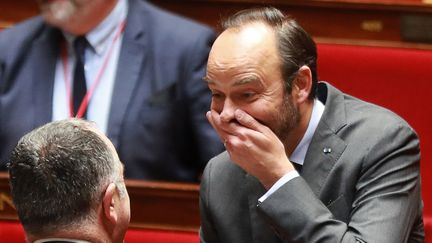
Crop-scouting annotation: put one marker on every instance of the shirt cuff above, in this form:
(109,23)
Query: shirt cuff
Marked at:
(284,179)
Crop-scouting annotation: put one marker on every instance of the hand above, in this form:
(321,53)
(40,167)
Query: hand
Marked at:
(252,146)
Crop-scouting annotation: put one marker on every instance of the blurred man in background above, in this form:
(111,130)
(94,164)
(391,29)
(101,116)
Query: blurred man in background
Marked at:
(131,67)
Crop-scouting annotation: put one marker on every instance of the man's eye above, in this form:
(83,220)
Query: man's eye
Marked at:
(216,95)
(247,95)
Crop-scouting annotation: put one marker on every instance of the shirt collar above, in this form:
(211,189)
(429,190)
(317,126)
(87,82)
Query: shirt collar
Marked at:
(299,154)
(99,37)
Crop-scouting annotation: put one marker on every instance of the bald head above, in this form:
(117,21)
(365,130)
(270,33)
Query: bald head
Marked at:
(268,30)
(251,46)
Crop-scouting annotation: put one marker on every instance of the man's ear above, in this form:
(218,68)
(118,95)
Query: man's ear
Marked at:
(109,203)
(302,85)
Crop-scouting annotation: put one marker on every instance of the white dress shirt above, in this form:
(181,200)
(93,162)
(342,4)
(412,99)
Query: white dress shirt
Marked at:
(299,153)
(100,39)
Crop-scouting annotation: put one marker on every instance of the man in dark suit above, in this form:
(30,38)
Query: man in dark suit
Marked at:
(142,69)
(304,162)
(67,184)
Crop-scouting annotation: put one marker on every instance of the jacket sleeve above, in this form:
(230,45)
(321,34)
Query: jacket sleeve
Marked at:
(385,206)
(207,231)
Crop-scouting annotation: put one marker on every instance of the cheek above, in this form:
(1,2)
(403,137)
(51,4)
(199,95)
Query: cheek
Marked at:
(263,112)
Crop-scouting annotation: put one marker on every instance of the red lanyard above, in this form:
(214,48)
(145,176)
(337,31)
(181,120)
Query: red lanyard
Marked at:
(84,103)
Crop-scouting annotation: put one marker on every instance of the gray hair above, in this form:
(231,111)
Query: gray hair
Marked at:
(59,173)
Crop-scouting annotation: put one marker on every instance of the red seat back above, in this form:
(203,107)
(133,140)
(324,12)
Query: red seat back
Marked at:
(160,236)
(11,231)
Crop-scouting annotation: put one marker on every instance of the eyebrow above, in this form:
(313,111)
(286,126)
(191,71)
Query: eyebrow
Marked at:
(245,80)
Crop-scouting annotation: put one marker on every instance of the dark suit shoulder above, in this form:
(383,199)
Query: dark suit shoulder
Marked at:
(370,131)
(171,37)
(23,30)
(171,25)
(14,39)
(376,119)
(179,21)
(348,112)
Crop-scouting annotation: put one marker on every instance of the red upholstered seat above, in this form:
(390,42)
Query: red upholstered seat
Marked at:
(396,78)
(160,236)
(12,232)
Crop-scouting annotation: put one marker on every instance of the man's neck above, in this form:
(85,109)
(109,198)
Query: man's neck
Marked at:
(89,233)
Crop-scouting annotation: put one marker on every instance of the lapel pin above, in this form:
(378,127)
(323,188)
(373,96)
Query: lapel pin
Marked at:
(327,150)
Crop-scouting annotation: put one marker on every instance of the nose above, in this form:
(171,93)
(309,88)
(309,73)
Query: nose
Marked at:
(228,109)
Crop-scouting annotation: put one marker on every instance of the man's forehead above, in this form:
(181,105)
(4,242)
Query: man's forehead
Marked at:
(253,45)
(251,34)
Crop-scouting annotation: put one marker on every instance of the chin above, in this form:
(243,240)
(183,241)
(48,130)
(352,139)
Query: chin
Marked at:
(58,13)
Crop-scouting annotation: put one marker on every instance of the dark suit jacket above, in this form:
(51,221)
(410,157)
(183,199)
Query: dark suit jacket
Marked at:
(157,120)
(366,190)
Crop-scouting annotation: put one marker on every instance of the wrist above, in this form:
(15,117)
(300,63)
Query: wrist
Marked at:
(271,178)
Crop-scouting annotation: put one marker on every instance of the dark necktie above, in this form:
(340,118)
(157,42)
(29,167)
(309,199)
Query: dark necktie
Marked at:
(79,81)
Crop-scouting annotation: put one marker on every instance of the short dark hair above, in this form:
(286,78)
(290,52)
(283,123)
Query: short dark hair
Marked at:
(296,46)
(58,174)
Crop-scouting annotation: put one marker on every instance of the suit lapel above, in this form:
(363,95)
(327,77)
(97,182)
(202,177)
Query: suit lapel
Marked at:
(132,54)
(326,147)
(45,51)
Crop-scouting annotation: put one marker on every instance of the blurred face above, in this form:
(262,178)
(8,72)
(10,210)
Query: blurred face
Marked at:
(244,72)
(60,12)
(75,16)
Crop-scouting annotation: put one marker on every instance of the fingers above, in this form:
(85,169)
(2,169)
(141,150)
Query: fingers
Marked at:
(213,122)
(243,127)
(242,120)
(210,119)
(248,121)
(221,128)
